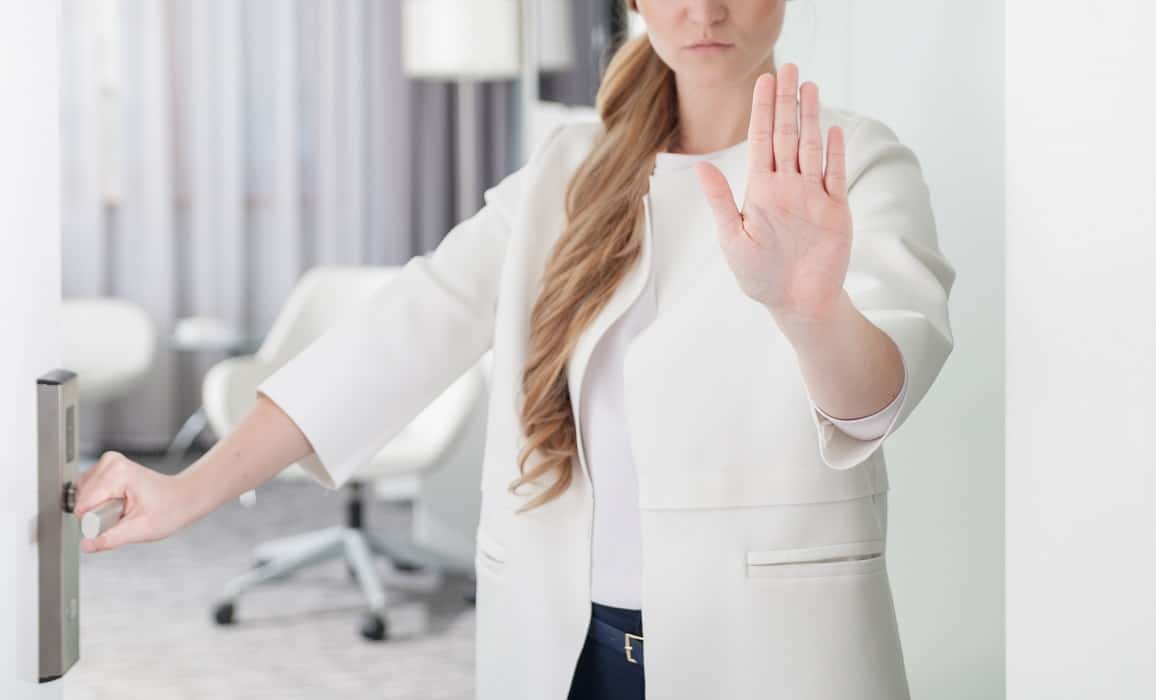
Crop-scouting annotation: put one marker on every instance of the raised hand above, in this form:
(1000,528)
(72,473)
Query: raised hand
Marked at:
(790,246)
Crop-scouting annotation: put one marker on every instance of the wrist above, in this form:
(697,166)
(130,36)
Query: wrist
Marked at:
(828,327)
(195,499)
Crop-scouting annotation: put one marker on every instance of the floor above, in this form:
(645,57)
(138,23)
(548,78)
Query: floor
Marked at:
(148,630)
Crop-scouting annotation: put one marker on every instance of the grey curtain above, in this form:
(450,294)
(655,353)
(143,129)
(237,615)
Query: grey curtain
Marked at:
(215,150)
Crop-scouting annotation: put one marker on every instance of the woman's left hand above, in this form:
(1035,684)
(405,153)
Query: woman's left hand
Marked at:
(790,245)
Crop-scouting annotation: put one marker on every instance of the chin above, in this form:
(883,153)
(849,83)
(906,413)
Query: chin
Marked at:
(707,73)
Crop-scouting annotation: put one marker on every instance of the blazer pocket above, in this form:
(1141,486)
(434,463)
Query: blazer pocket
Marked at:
(490,556)
(841,559)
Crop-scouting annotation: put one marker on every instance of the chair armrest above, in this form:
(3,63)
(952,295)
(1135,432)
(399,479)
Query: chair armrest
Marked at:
(230,390)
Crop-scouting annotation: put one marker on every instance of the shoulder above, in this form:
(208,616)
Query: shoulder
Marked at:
(568,140)
(875,154)
(559,150)
(858,127)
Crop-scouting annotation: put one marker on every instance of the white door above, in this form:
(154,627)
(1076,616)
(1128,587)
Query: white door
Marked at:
(29,313)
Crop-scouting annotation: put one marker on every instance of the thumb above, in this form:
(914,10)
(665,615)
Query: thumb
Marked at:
(718,193)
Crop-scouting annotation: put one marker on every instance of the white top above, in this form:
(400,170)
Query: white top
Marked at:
(617,538)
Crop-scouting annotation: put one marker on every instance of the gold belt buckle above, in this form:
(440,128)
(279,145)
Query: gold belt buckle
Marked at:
(629,649)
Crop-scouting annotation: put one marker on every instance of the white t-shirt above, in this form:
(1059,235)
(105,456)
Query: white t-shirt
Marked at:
(617,538)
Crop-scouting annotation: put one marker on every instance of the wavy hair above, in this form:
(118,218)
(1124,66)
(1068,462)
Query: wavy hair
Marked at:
(601,240)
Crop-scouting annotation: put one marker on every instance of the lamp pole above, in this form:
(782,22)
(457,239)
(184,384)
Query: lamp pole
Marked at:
(528,84)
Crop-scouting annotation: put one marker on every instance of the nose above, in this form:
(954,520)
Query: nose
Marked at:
(706,12)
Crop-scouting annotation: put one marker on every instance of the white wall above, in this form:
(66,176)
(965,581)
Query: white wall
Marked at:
(29,301)
(1081,350)
(933,71)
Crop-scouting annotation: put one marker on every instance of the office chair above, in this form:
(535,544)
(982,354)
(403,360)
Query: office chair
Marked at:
(110,344)
(229,391)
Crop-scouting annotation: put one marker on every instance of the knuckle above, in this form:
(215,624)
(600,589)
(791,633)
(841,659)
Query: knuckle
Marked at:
(120,466)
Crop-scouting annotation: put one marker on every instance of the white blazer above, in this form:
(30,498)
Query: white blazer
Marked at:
(763,525)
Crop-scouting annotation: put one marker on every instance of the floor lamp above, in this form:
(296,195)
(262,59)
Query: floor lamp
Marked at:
(476,40)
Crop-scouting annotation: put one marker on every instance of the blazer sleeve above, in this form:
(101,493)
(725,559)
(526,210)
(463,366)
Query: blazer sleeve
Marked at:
(385,359)
(897,276)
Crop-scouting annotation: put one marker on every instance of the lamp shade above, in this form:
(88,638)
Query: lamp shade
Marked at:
(456,39)
(479,39)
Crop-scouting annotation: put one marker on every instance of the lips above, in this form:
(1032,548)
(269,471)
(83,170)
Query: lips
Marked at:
(708,44)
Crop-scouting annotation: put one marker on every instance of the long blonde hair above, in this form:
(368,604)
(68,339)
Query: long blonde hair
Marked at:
(601,240)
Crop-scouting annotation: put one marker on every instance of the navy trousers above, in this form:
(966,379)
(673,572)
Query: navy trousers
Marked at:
(604,673)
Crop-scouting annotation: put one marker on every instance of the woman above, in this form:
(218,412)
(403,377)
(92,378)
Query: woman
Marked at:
(687,382)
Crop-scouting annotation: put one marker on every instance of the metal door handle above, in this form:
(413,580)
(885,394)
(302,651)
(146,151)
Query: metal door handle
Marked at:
(102,518)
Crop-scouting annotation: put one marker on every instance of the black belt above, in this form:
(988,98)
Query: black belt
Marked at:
(610,636)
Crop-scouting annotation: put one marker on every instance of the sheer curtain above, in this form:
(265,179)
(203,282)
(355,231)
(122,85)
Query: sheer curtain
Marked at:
(214,150)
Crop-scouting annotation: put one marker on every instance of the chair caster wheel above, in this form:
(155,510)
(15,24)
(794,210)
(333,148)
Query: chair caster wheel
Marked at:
(374,628)
(406,565)
(225,613)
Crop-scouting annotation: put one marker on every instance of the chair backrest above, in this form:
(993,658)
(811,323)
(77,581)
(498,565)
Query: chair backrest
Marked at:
(319,298)
(110,344)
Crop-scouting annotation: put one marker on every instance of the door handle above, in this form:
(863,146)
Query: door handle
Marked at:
(102,518)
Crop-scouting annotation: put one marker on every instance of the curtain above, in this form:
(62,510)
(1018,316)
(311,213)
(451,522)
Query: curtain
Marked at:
(215,150)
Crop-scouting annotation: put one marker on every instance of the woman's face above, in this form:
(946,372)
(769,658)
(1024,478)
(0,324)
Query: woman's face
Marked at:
(746,29)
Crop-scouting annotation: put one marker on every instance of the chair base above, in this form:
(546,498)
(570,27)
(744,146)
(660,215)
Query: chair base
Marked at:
(277,559)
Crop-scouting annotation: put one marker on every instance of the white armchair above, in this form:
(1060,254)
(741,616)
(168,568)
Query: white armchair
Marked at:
(229,391)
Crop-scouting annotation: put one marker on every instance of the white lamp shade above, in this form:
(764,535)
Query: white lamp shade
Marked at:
(479,39)
(456,40)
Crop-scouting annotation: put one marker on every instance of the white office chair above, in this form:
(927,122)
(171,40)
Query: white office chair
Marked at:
(109,343)
(229,391)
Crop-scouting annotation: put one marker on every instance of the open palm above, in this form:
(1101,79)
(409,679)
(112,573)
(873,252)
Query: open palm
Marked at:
(790,246)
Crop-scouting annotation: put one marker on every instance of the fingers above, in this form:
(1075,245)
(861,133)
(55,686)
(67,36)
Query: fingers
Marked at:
(83,478)
(810,139)
(786,136)
(759,132)
(102,463)
(836,180)
(126,531)
(102,482)
(718,193)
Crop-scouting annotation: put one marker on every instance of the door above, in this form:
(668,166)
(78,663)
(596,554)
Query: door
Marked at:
(29,314)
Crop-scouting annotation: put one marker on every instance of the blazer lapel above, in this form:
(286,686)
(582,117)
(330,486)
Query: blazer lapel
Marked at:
(621,298)
(687,254)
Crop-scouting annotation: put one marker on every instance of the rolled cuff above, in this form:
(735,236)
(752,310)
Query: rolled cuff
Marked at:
(923,350)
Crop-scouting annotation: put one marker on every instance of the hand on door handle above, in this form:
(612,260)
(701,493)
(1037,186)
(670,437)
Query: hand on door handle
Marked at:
(97,520)
(119,501)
